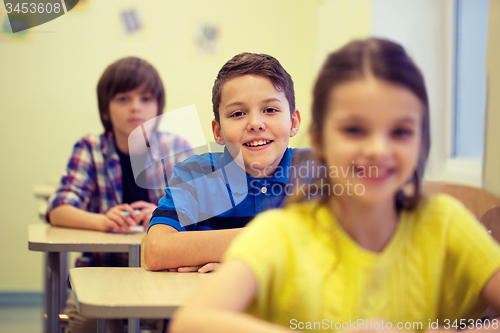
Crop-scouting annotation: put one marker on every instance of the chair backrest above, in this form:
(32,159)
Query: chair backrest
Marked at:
(491,220)
(477,200)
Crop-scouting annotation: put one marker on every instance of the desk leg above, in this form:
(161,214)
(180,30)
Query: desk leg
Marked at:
(134,255)
(134,325)
(63,285)
(46,295)
(52,292)
(101,325)
(109,325)
(134,260)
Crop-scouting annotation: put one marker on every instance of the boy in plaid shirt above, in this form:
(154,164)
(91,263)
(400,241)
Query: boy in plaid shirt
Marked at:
(99,185)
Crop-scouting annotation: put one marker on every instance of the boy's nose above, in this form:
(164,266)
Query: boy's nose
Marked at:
(256,124)
(135,104)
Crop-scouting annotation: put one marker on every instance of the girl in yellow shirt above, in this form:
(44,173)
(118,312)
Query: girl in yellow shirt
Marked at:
(365,255)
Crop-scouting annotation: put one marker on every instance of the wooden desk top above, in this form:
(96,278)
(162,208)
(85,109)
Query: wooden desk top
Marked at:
(113,292)
(46,238)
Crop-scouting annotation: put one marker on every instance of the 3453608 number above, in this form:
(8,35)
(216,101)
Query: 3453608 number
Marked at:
(33,8)
(471,323)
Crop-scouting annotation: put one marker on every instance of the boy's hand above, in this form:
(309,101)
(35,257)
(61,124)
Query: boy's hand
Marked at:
(115,220)
(146,212)
(207,268)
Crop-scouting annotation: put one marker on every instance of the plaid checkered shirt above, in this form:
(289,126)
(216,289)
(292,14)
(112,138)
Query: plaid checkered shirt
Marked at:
(93,180)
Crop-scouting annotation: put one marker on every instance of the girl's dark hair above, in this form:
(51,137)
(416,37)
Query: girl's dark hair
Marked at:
(385,60)
(124,75)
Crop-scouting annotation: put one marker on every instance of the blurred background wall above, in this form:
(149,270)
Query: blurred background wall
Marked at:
(48,79)
(491,176)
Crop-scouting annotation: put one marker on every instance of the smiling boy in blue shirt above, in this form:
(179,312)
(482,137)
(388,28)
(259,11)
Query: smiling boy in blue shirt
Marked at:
(214,195)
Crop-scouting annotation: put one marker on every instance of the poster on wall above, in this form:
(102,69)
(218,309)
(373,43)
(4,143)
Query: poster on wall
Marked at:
(131,21)
(20,20)
(207,38)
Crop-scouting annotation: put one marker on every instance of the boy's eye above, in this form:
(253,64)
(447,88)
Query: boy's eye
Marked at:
(271,110)
(147,98)
(354,130)
(121,98)
(236,114)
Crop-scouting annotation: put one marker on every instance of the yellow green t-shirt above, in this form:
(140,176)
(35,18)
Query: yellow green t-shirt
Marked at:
(311,275)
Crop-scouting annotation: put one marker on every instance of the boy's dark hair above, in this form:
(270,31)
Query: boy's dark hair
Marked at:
(124,75)
(387,61)
(253,64)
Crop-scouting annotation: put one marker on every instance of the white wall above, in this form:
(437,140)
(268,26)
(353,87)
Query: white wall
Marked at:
(423,27)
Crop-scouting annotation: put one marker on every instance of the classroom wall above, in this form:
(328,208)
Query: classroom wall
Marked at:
(47,85)
(48,80)
(337,22)
(491,174)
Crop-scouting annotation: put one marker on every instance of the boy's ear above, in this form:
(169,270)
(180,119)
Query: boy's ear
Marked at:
(217,134)
(294,129)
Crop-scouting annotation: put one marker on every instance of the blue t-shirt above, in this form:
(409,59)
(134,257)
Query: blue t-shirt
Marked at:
(210,191)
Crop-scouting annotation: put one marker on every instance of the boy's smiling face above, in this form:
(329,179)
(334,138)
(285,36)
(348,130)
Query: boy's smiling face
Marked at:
(255,119)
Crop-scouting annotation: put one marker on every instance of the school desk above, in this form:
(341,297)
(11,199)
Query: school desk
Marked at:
(55,240)
(111,294)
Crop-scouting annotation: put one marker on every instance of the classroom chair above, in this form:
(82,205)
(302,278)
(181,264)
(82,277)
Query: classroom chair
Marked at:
(491,220)
(477,200)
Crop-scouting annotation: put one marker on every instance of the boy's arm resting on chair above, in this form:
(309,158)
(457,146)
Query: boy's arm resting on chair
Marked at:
(167,248)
